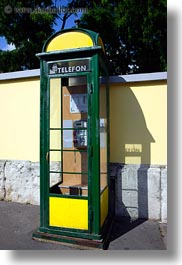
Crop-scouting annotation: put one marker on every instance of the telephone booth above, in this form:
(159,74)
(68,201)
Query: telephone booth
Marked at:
(74,134)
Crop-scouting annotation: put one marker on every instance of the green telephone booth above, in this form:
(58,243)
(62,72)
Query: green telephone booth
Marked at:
(74,134)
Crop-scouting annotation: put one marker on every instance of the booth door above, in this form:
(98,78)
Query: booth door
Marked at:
(69,146)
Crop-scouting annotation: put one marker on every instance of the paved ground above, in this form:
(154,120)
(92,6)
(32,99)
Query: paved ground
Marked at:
(18,221)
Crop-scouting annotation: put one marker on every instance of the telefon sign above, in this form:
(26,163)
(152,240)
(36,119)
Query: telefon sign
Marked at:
(64,67)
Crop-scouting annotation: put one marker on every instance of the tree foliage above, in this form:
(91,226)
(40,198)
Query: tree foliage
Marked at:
(26,29)
(134,32)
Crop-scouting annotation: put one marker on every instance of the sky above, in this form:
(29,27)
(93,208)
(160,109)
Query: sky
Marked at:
(69,24)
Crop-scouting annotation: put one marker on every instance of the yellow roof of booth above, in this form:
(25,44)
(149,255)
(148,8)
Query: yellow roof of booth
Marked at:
(72,39)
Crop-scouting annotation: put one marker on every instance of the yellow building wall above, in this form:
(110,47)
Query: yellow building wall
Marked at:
(19,119)
(138,121)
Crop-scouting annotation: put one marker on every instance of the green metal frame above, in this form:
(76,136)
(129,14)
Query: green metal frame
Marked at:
(96,58)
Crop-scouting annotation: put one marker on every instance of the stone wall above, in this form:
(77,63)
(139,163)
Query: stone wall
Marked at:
(139,191)
(19,181)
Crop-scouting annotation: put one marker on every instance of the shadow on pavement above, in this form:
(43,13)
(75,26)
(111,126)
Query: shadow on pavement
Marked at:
(121,226)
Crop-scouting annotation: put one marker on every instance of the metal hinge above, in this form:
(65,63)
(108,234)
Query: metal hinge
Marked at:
(90,88)
(47,157)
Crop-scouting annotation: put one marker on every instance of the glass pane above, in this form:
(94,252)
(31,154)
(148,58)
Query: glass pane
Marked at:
(74,96)
(55,161)
(103,137)
(55,139)
(75,162)
(68,134)
(74,184)
(55,178)
(55,103)
(67,139)
(74,115)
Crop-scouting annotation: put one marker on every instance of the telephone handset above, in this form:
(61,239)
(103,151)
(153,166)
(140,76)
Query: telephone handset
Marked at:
(79,135)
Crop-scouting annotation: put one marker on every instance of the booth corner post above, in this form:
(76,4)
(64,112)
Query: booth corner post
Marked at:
(74,140)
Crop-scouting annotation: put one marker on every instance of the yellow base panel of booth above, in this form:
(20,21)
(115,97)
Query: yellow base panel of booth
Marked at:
(68,213)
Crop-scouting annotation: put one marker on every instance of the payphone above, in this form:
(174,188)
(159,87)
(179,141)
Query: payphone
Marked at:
(80,134)
(74,139)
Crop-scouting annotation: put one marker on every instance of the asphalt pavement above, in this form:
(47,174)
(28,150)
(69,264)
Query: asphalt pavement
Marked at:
(18,222)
